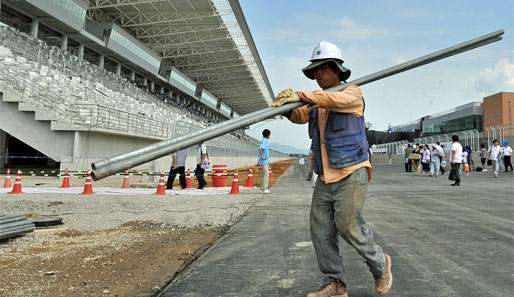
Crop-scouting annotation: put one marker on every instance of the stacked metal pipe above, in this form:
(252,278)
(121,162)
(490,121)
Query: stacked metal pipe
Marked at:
(14,225)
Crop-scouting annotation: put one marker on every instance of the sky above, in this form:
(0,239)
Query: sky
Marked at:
(374,35)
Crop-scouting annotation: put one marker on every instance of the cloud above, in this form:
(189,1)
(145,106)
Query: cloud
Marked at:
(500,77)
(348,29)
(337,30)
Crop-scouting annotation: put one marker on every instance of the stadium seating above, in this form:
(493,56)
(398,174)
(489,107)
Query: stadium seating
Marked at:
(82,94)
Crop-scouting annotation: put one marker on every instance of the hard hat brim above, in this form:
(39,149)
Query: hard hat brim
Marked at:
(309,69)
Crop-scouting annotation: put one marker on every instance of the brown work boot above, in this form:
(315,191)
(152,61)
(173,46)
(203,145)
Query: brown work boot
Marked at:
(335,288)
(384,282)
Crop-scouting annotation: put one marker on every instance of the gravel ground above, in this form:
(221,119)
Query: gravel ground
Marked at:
(101,212)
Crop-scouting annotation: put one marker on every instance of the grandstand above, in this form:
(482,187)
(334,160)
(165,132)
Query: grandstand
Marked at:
(84,80)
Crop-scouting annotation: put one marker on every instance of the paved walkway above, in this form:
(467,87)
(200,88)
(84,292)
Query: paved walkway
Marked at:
(445,241)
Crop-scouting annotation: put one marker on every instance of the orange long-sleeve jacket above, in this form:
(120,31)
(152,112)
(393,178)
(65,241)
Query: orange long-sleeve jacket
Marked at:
(349,100)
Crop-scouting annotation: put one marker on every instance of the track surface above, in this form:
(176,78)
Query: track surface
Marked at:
(445,241)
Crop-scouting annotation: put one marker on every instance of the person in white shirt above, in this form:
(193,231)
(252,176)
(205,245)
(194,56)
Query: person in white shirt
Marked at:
(494,156)
(435,164)
(178,166)
(455,160)
(202,163)
(507,156)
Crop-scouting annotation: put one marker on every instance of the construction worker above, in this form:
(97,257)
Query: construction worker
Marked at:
(340,158)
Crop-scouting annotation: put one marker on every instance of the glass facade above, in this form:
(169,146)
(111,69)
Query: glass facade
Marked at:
(469,122)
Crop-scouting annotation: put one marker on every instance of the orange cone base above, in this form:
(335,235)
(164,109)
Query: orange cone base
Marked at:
(125,185)
(16,189)
(88,190)
(234,190)
(66,182)
(249,181)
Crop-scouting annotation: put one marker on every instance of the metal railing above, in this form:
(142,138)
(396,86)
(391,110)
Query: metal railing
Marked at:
(472,138)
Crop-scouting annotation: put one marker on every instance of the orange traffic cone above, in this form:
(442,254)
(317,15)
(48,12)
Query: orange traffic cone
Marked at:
(161,187)
(270,175)
(88,185)
(249,179)
(125,184)
(235,184)
(7,182)
(66,179)
(17,184)
(188,179)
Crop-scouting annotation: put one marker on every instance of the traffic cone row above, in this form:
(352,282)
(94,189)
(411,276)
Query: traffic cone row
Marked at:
(249,180)
(17,184)
(66,180)
(7,182)
(235,184)
(88,185)
(125,183)
(161,186)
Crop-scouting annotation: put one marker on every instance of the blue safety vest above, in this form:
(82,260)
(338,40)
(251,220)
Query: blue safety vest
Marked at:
(345,140)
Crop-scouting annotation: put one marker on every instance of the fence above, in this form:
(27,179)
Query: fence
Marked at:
(472,138)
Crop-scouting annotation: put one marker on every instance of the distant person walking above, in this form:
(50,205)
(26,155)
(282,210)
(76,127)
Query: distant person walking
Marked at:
(507,156)
(425,161)
(494,156)
(202,163)
(264,160)
(483,156)
(178,166)
(408,160)
(416,157)
(455,160)
(435,164)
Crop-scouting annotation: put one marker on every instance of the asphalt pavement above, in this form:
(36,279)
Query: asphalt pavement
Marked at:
(444,241)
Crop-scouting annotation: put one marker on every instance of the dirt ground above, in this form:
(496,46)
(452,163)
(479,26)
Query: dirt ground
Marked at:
(135,259)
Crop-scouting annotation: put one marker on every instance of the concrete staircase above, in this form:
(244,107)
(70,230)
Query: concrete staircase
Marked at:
(33,126)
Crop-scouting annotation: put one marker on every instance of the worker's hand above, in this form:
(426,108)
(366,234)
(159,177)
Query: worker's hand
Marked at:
(285,96)
(370,174)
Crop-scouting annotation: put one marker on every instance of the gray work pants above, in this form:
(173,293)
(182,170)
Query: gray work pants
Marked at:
(264,176)
(337,209)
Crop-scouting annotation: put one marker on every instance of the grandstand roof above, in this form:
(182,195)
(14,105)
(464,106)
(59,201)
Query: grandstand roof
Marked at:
(208,40)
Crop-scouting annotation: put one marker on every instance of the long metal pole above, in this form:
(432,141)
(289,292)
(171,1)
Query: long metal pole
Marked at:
(125,161)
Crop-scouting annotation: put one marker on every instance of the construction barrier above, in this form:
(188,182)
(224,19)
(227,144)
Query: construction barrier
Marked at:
(219,176)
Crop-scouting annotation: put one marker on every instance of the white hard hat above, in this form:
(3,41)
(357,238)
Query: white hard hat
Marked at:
(326,52)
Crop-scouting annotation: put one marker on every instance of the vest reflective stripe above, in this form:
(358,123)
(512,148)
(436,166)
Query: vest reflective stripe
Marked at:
(345,140)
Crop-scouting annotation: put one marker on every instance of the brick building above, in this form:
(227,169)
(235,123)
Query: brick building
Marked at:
(498,114)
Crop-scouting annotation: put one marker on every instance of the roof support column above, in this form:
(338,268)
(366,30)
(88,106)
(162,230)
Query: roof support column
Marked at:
(101,61)
(34,28)
(81,52)
(152,86)
(118,69)
(145,81)
(132,75)
(64,42)
(161,91)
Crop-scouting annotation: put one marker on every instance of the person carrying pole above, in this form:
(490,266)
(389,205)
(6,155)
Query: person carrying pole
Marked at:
(340,158)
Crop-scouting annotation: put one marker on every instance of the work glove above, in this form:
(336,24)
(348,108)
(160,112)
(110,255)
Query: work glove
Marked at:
(286,96)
